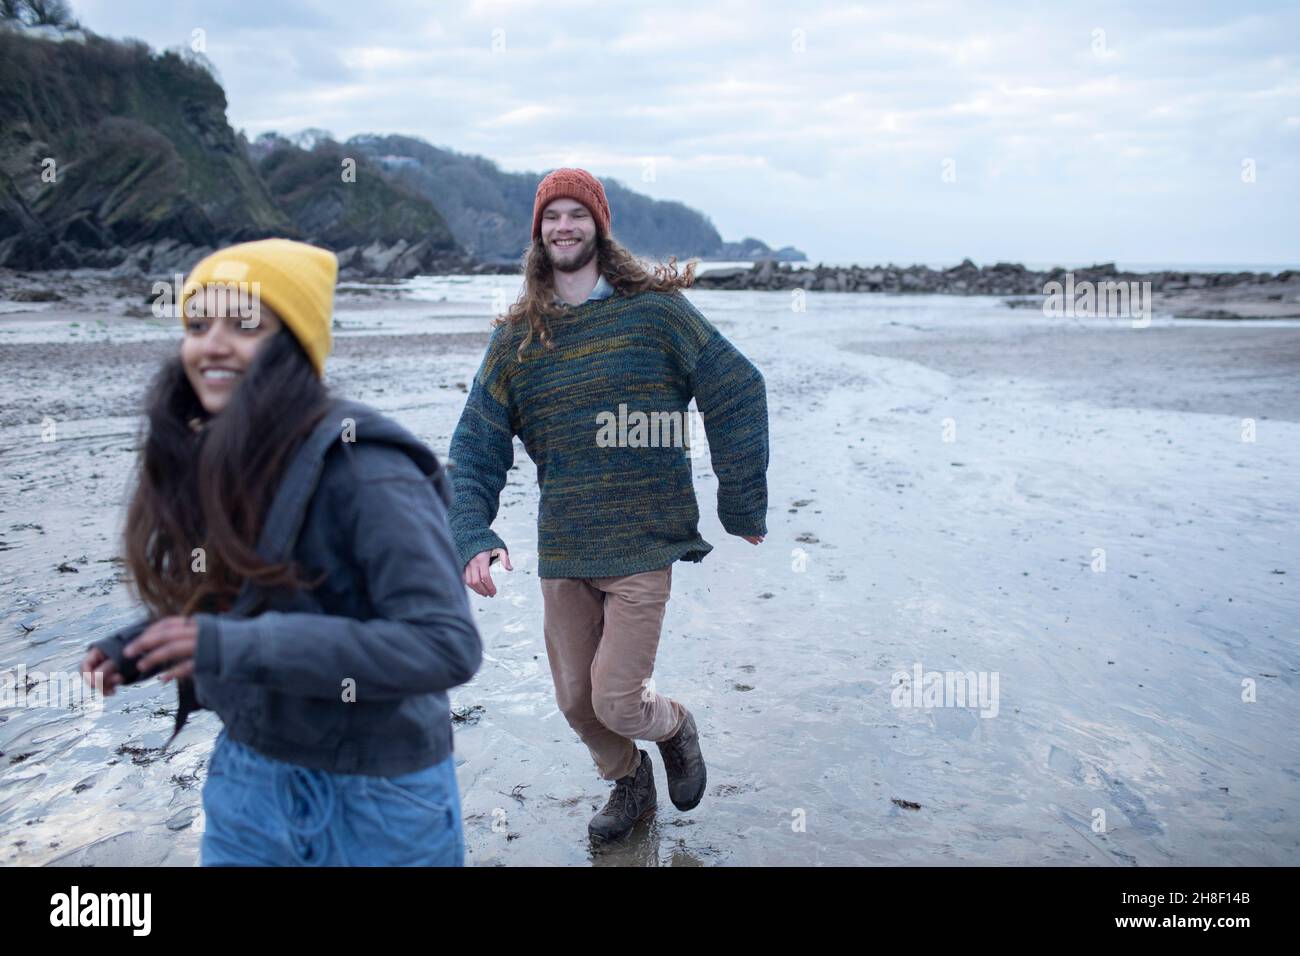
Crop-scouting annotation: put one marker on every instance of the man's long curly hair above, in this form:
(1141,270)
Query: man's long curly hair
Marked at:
(624,271)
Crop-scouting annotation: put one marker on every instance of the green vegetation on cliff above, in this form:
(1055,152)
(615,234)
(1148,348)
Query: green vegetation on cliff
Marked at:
(105,143)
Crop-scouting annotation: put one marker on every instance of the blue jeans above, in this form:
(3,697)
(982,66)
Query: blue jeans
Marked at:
(266,812)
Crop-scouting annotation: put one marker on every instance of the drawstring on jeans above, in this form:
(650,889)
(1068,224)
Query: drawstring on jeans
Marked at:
(306,799)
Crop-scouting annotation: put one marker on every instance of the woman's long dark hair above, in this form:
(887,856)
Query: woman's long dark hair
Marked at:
(208,481)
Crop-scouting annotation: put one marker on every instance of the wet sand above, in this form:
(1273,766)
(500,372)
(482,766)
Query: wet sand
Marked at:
(1250,372)
(72,381)
(889,546)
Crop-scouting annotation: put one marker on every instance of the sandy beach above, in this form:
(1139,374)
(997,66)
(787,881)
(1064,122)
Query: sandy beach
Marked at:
(944,472)
(1193,367)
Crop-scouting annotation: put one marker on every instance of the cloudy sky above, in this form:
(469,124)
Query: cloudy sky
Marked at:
(906,132)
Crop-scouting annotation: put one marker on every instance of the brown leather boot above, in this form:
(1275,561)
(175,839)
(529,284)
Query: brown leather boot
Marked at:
(633,799)
(684,764)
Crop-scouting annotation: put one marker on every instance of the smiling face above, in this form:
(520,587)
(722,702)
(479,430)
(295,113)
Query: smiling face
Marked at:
(568,234)
(218,349)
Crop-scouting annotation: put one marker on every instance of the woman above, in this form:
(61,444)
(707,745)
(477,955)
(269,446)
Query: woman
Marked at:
(292,550)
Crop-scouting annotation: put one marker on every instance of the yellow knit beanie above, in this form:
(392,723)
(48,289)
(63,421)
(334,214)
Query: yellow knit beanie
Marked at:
(295,279)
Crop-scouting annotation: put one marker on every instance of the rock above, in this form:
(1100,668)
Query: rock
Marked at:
(35,295)
(24,251)
(723,275)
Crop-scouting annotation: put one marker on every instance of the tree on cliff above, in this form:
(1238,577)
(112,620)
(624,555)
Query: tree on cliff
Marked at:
(39,13)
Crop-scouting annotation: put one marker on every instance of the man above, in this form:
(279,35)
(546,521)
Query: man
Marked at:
(595,348)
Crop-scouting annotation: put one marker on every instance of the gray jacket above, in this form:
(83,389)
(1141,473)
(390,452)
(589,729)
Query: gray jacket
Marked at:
(351,677)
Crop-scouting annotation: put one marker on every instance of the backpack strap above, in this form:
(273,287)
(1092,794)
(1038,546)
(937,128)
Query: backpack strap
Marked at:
(288,509)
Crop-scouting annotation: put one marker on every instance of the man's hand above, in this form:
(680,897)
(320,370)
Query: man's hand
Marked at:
(169,640)
(478,576)
(753,538)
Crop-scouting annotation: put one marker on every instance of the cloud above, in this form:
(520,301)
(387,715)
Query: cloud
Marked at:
(820,125)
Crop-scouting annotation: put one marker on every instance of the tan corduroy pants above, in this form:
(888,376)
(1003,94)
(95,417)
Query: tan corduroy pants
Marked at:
(601,638)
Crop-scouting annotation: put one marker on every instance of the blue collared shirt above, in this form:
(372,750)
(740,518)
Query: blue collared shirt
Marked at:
(602,290)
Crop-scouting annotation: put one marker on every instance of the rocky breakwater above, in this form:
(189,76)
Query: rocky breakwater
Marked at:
(1004,278)
(1207,295)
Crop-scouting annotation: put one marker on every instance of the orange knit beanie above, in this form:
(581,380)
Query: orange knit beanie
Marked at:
(571,183)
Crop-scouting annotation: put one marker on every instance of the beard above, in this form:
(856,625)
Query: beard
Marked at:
(572,262)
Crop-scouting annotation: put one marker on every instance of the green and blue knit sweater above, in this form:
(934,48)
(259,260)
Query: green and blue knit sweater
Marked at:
(616,497)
